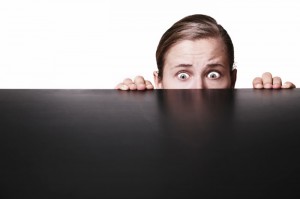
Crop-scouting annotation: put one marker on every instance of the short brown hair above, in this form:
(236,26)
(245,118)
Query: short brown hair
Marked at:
(192,27)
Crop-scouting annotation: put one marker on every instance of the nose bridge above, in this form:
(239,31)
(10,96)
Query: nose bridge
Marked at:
(198,82)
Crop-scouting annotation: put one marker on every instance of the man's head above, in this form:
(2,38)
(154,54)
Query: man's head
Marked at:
(195,52)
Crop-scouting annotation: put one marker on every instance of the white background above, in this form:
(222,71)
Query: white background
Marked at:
(96,44)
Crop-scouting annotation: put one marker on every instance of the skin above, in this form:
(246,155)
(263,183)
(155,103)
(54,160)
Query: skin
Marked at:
(199,64)
(269,82)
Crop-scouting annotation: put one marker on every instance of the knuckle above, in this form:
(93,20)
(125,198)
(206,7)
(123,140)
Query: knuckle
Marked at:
(267,74)
(139,77)
(127,80)
(257,80)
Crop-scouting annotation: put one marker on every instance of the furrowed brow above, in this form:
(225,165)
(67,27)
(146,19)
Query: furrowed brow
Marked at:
(183,66)
(213,65)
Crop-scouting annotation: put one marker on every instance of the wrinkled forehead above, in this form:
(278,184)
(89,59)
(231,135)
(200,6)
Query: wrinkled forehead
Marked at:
(201,49)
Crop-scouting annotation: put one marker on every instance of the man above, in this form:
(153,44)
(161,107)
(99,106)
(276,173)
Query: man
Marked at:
(197,53)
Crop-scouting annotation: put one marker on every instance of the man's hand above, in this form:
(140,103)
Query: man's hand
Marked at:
(269,82)
(139,83)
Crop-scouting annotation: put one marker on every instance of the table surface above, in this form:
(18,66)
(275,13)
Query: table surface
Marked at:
(241,143)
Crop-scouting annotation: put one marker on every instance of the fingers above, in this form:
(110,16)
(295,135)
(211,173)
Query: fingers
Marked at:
(277,83)
(288,85)
(266,81)
(127,84)
(120,87)
(269,82)
(139,83)
(257,83)
(149,85)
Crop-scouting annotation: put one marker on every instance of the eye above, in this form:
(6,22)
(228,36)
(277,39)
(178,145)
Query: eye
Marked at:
(183,76)
(213,75)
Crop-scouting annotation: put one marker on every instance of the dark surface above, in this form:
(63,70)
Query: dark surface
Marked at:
(157,144)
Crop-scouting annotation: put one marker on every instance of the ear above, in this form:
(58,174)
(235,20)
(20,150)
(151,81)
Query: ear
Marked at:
(157,80)
(233,77)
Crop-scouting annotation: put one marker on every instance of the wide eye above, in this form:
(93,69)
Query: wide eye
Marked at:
(183,76)
(213,75)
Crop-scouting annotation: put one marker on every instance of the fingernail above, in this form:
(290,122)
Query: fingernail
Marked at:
(268,85)
(258,86)
(141,87)
(124,87)
(276,86)
(285,85)
(149,87)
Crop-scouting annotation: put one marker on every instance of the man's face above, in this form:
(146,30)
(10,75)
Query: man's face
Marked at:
(198,64)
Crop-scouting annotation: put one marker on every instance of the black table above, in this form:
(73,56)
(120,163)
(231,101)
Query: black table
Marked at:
(155,144)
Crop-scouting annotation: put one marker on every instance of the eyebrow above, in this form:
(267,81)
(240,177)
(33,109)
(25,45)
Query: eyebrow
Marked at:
(211,65)
(183,66)
(215,65)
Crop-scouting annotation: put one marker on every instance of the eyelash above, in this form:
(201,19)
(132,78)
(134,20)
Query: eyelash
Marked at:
(219,74)
(180,72)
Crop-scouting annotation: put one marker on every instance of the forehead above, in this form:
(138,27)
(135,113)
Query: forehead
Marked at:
(204,49)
